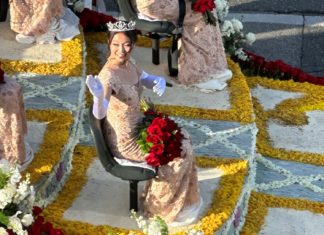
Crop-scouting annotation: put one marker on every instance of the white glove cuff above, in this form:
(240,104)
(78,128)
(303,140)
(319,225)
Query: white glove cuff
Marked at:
(100,107)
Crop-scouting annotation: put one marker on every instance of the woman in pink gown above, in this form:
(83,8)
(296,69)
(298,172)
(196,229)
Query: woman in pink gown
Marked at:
(41,21)
(174,194)
(202,60)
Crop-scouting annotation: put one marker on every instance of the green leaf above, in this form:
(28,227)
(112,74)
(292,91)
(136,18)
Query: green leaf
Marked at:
(4,220)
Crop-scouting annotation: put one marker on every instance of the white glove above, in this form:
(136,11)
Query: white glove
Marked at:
(100,104)
(95,86)
(156,83)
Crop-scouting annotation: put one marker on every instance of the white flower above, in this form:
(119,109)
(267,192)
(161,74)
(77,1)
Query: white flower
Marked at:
(15,225)
(3,231)
(227,28)
(237,25)
(27,220)
(15,177)
(250,38)
(222,9)
(241,54)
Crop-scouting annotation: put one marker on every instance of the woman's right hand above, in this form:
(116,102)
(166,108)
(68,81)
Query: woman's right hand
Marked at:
(95,87)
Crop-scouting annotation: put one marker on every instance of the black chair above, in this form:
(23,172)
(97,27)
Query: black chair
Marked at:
(4,5)
(157,30)
(131,173)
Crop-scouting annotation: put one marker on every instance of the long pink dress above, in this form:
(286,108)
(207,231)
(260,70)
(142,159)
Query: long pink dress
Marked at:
(176,186)
(34,17)
(202,57)
(13,125)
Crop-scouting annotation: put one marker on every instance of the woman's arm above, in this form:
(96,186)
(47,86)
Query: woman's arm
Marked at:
(101,96)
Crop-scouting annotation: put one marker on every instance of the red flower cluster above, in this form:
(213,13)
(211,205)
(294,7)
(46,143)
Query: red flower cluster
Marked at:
(205,7)
(257,65)
(161,139)
(94,21)
(40,227)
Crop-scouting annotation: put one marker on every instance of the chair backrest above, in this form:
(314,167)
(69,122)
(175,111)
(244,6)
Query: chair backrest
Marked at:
(4,5)
(107,160)
(145,26)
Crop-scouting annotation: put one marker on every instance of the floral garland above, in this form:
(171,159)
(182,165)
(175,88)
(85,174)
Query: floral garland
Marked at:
(256,65)
(222,206)
(56,136)
(71,64)
(260,202)
(289,111)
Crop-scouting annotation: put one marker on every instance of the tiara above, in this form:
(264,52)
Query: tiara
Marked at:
(121,26)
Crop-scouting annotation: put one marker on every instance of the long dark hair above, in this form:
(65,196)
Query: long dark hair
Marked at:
(131,34)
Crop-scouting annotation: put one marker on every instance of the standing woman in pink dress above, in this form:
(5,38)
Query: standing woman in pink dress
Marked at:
(41,21)
(174,194)
(202,62)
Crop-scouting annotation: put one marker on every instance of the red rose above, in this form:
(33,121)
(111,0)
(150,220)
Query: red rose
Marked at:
(47,227)
(155,130)
(203,5)
(157,149)
(37,210)
(56,232)
(294,72)
(150,112)
(152,160)
(159,122)
(155,139)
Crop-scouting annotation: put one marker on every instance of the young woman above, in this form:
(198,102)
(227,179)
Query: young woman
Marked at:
(202,62)
(174,194)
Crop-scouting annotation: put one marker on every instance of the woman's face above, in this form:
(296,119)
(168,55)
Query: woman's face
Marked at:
(120,48)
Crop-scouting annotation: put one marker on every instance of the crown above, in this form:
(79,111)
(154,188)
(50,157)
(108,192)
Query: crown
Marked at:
(121,26)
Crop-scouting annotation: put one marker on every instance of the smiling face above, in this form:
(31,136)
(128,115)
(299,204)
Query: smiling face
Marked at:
(120,48)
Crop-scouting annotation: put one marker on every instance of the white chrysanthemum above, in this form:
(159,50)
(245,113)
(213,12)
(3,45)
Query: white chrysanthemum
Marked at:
(3,231)
(27,220)
(15,225)
(241,54)
(15,176)
(227,28)
(222,9)
(237,25)
(250,38)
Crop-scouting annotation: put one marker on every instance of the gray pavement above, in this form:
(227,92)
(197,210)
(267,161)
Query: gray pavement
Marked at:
(292,31)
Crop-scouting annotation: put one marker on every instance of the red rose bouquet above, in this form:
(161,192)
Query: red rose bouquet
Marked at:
(160,138)
(205,7)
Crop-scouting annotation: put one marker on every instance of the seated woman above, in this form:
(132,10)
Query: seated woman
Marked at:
(202,62)
(42,21)
(174,194)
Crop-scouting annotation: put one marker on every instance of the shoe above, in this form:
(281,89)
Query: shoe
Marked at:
(25,39)
(49,36)
(218,83)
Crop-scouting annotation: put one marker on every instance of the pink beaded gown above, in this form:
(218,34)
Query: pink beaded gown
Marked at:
(176,186)
(34,17)
(202,56)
